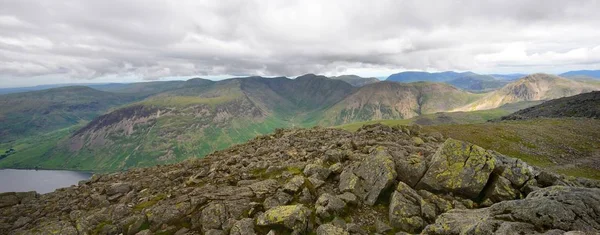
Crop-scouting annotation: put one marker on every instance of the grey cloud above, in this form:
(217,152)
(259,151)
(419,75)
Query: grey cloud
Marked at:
(86,39)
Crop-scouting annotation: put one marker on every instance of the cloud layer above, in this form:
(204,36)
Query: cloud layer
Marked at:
(85,39)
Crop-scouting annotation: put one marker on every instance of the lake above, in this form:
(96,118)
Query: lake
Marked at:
(42,181)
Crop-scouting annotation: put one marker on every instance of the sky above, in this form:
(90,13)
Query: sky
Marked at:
(89,41)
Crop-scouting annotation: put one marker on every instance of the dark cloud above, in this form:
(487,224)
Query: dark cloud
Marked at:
(86,39)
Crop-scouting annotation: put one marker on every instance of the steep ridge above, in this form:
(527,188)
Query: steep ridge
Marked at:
(583,105)
(324,181)
(390,100)
(531,88)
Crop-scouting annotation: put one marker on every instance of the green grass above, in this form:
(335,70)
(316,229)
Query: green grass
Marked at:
(561,145)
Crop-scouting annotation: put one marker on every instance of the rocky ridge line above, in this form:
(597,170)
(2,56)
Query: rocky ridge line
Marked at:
(378,180)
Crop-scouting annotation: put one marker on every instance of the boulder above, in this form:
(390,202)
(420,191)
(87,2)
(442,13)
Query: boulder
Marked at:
(370,177)
(328,205)
(294,217)
(118,188)
(8,199)
(279,199)
(553,208)
(213,216)
(295,184)
(501,189)
(262,188)
(410,168)
(329,229)
(405,209)
(459,168)
(243,227)
(316,171)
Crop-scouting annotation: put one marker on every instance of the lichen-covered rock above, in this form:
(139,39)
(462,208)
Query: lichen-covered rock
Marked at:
(316,171)
(295,184)
(264,187)
(330,229)
(501,189)
(328,205)
(370,177)
(410,168)
(294,217)
(556,207)
(279,199)
(8,199)
(460,168)
(213,216)
(405,209)
(243,227)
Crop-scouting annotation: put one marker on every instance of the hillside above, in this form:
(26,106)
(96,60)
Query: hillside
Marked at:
(355,80)
(324,181)
(391,100)
(443,118)
(583,105)
(467,80)
(187,122)
(35,112)
(531,88)
(582,73)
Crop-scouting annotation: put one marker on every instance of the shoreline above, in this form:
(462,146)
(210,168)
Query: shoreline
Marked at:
(50,169)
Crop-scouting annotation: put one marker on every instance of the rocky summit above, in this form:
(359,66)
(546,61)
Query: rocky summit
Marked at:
(380,179)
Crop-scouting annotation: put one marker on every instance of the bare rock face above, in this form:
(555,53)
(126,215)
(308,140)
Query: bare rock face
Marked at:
(324,181)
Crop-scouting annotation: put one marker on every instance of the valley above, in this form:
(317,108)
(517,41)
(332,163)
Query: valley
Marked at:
(145,124)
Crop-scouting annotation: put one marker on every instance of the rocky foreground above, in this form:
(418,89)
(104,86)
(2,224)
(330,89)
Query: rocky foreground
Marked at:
(325,181)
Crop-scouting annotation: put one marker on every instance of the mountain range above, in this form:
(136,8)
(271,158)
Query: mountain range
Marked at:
(144,124)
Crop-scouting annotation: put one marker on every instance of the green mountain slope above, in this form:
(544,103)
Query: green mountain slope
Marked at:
(31,113)
(188,122)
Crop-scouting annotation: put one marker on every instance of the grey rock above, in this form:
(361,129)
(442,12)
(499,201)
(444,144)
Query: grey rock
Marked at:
(118,188)
(382,227)
(370,177)
(294,217)
(316,171)
(349,198)
(328,205)
(460,168)
(243,227)
(263,188)
(295,184)
(8,199)
(214,232)
(21,221)
(213,216)
(553,208)
(329,229)
(279,199)
(405,209)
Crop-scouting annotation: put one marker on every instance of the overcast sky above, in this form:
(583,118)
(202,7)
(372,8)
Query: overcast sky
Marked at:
(43,42)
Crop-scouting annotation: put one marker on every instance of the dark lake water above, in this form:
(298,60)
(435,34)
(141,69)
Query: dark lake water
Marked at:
(42,181)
